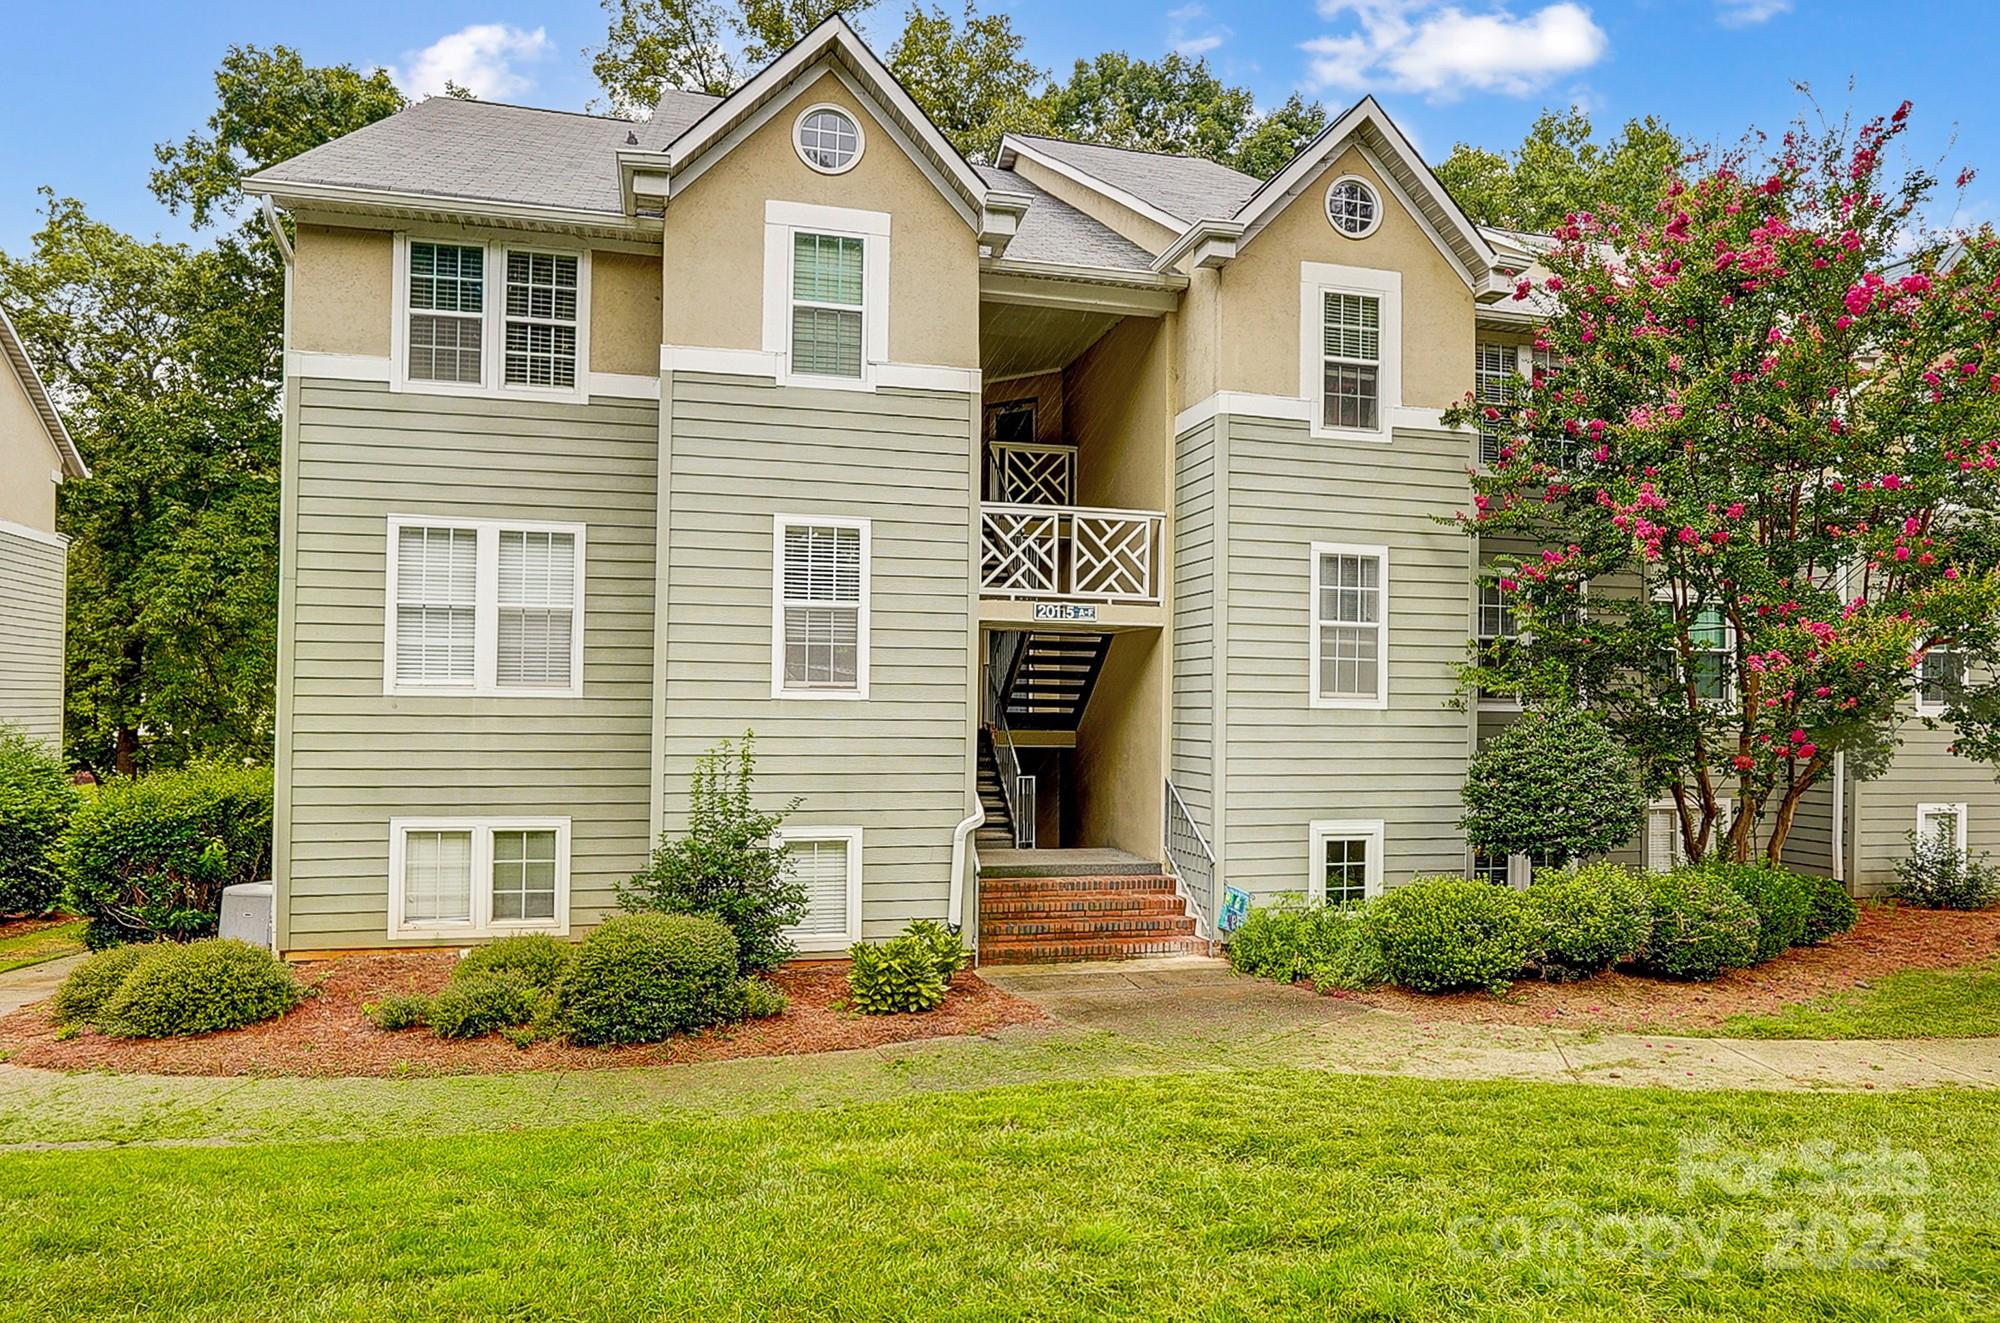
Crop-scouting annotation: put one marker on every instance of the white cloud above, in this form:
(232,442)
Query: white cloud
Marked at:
(1749,13)
(1442,51)
(480,58)
(1184,39)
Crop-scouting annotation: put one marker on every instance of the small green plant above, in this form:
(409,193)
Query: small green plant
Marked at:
(1701,928)
(642,978)
(401,1010)
(1328,946)
(1833,911)
(763,999)
(536,959)
(479,1003)
(91,983)
(173,990)
(1586,919)
(1442,933)
(1783,901)
(947,951)
(894,977)
(36,801)
(1937,875)
(727,864)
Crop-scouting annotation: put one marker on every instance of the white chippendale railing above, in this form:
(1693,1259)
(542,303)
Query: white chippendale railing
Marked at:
(1070,551)
(1032,472)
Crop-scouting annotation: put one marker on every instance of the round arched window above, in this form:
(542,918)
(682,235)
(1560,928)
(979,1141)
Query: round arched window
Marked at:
(1352,208)
(828,139)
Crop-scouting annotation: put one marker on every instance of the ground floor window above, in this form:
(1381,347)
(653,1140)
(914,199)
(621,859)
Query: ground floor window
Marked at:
(826,861)
(1344,862)
(476,877)
(1943,823)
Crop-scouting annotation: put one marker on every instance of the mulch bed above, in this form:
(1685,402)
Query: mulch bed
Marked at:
(328,1034)
(22,927)
(1889,938)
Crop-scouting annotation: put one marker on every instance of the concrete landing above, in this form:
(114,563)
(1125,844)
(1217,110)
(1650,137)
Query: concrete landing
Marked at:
(1065,863)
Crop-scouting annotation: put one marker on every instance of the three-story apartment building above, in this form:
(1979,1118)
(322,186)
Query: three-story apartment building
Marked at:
(1065,528)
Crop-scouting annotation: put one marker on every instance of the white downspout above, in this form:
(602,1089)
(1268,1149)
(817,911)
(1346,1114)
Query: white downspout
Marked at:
(1840,817)
(955,903)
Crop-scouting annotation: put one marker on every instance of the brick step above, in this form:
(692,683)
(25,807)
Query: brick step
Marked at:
(1080,927)
(999,888)
(1081,904)
(1042,951)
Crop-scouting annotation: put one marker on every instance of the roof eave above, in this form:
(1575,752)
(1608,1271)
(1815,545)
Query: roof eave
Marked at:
(295,195)
(68,455)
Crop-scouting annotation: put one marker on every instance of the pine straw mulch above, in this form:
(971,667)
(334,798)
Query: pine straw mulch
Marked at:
(329,1035)
(1889,938)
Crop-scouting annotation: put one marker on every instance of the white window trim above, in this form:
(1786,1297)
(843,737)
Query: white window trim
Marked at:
(1956,810)
(779,523)
(783,220)
(482,923)
(1319,832)
(1326,204)
(493,322)
(860,137)
(486,610)
(1318,279)
(1316,699)
(805,942)
(1927,709)
(1725,815)
(1487,704)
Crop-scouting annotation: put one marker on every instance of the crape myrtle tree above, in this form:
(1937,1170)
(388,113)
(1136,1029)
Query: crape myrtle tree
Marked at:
(1765,435)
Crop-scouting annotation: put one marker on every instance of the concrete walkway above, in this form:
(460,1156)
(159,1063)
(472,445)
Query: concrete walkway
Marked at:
(25,987)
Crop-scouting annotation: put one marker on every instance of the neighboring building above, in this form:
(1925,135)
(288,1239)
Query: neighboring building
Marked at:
(1094,487)
(36,454)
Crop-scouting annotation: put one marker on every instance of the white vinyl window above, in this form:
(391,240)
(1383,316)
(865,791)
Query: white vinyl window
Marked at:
(1352,208)
(542,302)
(447,300)
(1497,630)
(829,298)
(1664,847)
(1351,383)
(479,607)
(820,607)
(1942,822)
(826,294)
(1350,351)
(1710,638)
(1344,860)
(1349,646)
(827,139)
(478,877)
(826,861)
(1493,373)
(1939,675)
(490,319)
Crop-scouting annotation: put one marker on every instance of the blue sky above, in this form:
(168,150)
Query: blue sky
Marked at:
(95,83)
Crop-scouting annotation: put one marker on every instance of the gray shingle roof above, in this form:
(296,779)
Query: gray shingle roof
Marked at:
(1188,187)
(490,152)
(1054,231)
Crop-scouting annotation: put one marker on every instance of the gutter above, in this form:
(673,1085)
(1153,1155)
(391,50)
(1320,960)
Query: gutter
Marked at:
(277,229)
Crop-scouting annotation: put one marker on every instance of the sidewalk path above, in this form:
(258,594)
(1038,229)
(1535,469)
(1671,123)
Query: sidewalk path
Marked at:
(24,987)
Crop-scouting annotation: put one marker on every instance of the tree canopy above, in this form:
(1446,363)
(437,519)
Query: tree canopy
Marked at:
(1559,169)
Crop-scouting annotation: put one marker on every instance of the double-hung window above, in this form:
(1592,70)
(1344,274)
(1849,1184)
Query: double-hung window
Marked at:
(829,299)
(1350,351)
(1494,368)
(1939,676)
(1351,392)
(1498,629)
(820,613)
(541,320)
(1709,640)
(826,862)
(486,318)
(471,877)
(1344,861)
(1349,646)
(1942,824)
(447,300)
(481,607)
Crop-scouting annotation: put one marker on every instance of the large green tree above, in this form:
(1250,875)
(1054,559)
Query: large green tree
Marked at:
(1560,170)
(969,77)
(651,46)
(1174,105)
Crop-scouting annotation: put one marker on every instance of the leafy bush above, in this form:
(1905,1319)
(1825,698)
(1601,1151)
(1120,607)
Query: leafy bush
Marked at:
(401,1010)
(36,800)
(763,999)
(726,865)
(894,977)
(1555,784)
(476,1004)
(536,959)
(149,858)
(1833,911)
(1328,946)
(642,978)
(1586,919)
(1701,927)
(91,983)
(1440,933)
(1937,875)
(198,988)
(947,951)
(1783,901)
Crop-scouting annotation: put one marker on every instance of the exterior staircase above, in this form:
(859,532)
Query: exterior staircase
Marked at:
(1038,907)
(1048,684)
(997,832)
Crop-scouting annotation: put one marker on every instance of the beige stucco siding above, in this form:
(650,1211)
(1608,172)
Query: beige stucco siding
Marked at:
(625,313)
(31,632)
(28,459)
(714,240)
(357,758)
(741,451)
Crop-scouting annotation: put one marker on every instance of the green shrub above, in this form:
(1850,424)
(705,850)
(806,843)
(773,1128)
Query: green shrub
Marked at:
(1555,784)
(763,999)
(726,865)
(1833,911)
(536,959)
(893,977)
(1701,927)
(91,983)
(401,1010)
(1440,933)
(642,978)
(1328,946)
(1586,919)
(1937,875)
(198,988)
(149,858)
(1783,901)
(478,1004)
(36,801)
(948,953)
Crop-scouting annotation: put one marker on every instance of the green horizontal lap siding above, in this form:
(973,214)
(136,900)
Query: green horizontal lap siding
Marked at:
(358,757)
(744,450)
(1288,763)
(1924,771)
(31,635)
(1194,574)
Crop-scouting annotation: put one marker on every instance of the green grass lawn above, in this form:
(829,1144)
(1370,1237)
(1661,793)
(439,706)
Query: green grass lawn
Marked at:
(1917,1003)
(1254,1195)
(33,948)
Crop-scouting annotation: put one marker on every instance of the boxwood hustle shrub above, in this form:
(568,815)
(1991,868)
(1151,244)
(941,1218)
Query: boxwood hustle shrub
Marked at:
(36,801)
(198,988)
(91,983)
(1833,911)
(1701,927)
(536,959)
(1328,946)
(1586,919)
(642,978)
(479,1003)
(1441,933)
(1783,901)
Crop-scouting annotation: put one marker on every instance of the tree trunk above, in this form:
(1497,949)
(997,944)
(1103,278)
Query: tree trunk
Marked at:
(1788,809)
(125,759)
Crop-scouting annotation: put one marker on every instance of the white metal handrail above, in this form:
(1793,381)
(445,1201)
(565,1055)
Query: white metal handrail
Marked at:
(1193,861)
(1081,552)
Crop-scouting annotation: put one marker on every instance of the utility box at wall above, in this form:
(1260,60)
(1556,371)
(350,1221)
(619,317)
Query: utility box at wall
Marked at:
(247,914)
